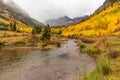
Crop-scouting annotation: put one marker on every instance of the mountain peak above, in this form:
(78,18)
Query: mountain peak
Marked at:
(66,17)
(105,5)
(65,21)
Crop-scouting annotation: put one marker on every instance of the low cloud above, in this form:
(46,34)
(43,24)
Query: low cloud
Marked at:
(44,10)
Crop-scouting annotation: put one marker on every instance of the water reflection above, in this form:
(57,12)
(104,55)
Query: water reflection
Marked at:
(12,54)
(33,64)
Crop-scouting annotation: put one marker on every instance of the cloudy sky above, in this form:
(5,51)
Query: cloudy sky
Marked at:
(43,10)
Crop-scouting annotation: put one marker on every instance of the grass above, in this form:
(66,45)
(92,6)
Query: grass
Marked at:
(49,44)
(103,65)
(106,50)
(91,51)
(12,40)
(24,39)
(11,34)
(9,37)
(64,39)
(87,40)
(102,71)
(20,43)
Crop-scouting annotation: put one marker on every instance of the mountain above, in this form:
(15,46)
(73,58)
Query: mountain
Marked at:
(106,22)
(15,7)
(65,21)
(59,22)
(79,19)
(11,9)
(105,5)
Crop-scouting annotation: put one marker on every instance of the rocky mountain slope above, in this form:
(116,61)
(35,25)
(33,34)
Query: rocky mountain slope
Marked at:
(105,5)
(9,10)
(65,21)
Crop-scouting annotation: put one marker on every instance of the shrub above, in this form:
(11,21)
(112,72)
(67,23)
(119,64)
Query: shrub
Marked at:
(45,43)
(58,44)
(103,65)
(101,42)
(1,44)
(90,50)
(86,40)
(20,43)
(112,54)
(82,46)
(102,70)
(80,43)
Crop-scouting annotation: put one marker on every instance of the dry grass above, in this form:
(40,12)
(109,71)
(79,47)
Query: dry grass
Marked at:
(11,34)
(109,48)
(11,40)
(112,54)
(87,40)
(9,37)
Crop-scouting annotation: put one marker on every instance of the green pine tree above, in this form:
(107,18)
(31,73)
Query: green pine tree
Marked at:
(47,33)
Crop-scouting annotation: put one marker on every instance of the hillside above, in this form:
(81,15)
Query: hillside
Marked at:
(106,22)
(105,5)
(10,10)
(15,7)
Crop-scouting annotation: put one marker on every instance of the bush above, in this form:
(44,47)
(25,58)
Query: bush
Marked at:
(105,69)
(1,44)
(86,40)
(102,70)
(46,43)
(103,65)
(112,54)
(58,44)
(90,50)
(20,43)
(82,46)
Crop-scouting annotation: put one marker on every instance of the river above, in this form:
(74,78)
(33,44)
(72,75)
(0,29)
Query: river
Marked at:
(27,63)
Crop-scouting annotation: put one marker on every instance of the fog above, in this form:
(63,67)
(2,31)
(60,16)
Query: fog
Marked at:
(44,10)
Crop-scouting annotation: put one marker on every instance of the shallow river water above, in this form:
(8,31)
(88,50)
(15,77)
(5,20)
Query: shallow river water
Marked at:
(27,63)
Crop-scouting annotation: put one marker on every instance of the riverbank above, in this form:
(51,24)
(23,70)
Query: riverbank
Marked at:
(19,39)
(106,51)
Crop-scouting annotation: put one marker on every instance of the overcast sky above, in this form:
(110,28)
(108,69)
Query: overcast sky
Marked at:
(43,10)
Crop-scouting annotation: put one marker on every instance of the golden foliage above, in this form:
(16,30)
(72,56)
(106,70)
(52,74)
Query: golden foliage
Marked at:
(23,27)
(105,23)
